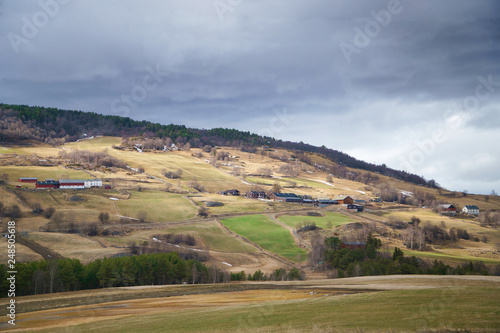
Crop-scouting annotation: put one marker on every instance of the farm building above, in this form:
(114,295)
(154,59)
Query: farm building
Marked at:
(447,209)
(286,197)
(89,183)
(107,187)
(28,180)
(47,184)
(353,207)
(344,200)
(326,201)
(72,184)
(471,210)
(230,192)
(256,194)
(353,245)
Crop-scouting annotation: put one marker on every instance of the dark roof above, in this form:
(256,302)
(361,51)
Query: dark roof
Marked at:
(471,207)
(286,195)
(354,243)
(446,206)
(48,182)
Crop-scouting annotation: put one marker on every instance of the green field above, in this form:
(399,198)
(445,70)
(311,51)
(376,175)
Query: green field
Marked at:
(159,206)
(261,230)
(335,219)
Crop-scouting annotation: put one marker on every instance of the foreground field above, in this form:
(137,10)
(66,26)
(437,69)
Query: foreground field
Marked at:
(374,304)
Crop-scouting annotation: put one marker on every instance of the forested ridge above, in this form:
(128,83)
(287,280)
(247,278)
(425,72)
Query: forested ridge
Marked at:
(19,123)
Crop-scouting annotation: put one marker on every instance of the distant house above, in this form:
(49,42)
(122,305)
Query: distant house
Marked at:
(256,194)
(89,183)
(47,184)
(286,197)
(447,209)
(353,245)
(230,192)
(471,210)
(28,180)
(344,200)
(353,207)
(360,201)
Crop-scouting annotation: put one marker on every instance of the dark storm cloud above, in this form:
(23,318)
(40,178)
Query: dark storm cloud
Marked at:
(194,63)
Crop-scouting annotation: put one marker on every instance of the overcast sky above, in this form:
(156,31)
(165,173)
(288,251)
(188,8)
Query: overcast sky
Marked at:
(412,84)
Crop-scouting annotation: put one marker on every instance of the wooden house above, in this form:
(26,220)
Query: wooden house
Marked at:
(344,200)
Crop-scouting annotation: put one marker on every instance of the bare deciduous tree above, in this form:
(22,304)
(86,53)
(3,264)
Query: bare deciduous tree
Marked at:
(104,217)
(142,216)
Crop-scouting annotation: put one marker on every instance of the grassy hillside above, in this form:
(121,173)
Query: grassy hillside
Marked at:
(267,234)
(138,193)
(159,206)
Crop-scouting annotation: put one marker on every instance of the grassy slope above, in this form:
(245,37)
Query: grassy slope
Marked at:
(210,233)
(159,206)
(267,234)
(335,219)
(73,246)
(153,163)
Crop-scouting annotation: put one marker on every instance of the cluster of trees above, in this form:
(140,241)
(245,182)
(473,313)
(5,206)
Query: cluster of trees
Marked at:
(367,261)
(489,218)
(46,124)
(278,275)
(50,276)
(13,212)
(92,159)
(417,236)
(172,174)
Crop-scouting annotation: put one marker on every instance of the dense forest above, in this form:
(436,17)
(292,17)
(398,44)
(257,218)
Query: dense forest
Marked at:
(19,123)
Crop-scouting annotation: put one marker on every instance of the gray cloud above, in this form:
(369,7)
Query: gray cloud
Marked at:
(264,56)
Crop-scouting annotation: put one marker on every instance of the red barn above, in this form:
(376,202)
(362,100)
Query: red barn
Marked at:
(447,210)
(28,180)
(73,184)
(47,184)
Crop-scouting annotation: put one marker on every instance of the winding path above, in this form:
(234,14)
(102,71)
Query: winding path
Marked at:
(293,232)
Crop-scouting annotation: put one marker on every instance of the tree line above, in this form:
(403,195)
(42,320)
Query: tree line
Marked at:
(49,276)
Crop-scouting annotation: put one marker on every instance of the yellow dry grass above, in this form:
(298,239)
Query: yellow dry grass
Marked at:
(73,246)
